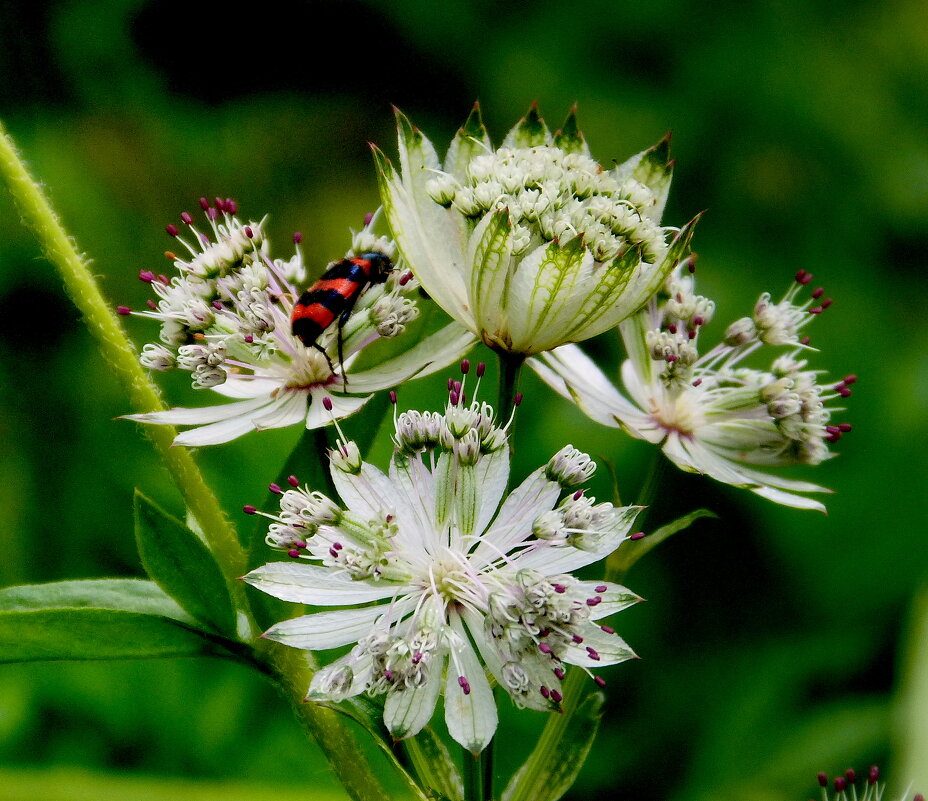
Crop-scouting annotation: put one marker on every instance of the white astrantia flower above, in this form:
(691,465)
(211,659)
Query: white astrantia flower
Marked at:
(225,318)
(709,413)
(532,245)
(448,585)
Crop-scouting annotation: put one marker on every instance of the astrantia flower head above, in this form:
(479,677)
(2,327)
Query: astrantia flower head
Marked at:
(225,318)
(709,413)
(533,245)
(449,589)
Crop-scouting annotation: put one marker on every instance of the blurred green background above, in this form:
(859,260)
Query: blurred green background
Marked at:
(775,642)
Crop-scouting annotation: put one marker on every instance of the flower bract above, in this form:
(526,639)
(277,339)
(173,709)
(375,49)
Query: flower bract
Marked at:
(448,584)
(534,244)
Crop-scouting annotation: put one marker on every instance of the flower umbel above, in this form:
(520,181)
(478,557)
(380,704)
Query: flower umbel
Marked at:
(533,245)
(225,318)
(448,585)
(709,413)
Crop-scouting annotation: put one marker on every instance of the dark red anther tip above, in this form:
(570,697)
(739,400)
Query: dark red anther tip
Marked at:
(297,237)
(367,218)
(454,398)
(601,588)
(171,229)
(840,784)
(293,481)
(204,203)
(817,293)
(123,310)
(577,639)
(517,401)
(844,392)
(465,366)
(805,340)
(212,213)
(919,797)
(578,494)
(844,427)
(220,204)
(151,304)
(556,696)
(559,672)
(822,776)
(637,535)
(293,553)
(464,684)
(147,276)
(697,320)
(249,232)
(275,488)
(249,510)
(231,206)
(691,334)
(599,680)
(816,310)
(670,358)
(327,403)
(393,397)
(450,385)
(545,692)
(851,775)
(249,338)
(697,382)
(672,328)
(873,774)
(850,379)
(481,369)
(544,648)
(827,302)
(456,386)
(186,218)
(217,304)
(405,278)
(608,629)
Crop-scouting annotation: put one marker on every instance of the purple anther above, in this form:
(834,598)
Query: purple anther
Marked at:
(231,206)
(388,675)
(212,213)
(817,293)
(873,774)
(220,204)
(517,401)
(697,382)
(822,777)
(367,218)
(556,696)
(840,784)
(293,481)
(593,654)
(164,280)
(844,427)
(465,685)
(293,553)
(816,310)
(481,369)
(599,680)
(559,588)
(833,429)
(249,510)
(545,692)
(405,278)
(827,302)
(672,328)
(450,385)
(608,629)
(204,203)
(544,648)
(249,232)
(337,546)
(670,358)
(333,553)
(577,639)
(393,397)
(171,229)
(638,535)
(454,398)
(327,403)
(850,379)
(275,489)
(698,320)
(151,304)
(147,276)
(297,237)
(691,267)
(300,544)
(559,672)
(851,775)
(802,277)
(691,334)
(805,340)
(186,218)
(248,338)
(123,310)
(417,657)
(844,392)
(216,304)
(601,588)
(456,386)
(594,601)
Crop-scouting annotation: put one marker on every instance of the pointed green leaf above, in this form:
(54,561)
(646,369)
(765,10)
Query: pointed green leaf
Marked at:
(570,138)
(530,131)
(621,560)
(95,619)
(434,765)
(654,168)
(472,139)
(553,767)
(181,564)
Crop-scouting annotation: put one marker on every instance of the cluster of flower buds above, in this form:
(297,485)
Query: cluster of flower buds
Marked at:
(850,786)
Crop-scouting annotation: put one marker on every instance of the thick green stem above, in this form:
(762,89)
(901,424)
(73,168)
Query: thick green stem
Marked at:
(510,368)
(119,353)
(336,741)
(474,778)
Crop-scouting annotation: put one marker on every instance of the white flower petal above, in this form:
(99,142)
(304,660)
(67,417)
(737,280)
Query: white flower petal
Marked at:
(471,716)
(320,586)
(597,649)
(326,629)
(489,255)
(406,711)
(216,433)
(182,416)
(614,599)
(288,408)
(492,478)
(415,502)
(369,493)
(317,416)
(241,387)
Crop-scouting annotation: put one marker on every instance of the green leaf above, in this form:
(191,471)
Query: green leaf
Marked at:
(434,765)
(95,619)
(472,139)
(621,560)
(554,764)
(570,138)
(181,564)
(369,715)
(654,168)
(530,131)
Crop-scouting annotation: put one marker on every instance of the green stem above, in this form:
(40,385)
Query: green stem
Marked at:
(119,353)
(474,779)
(339,744)
(336,741)
(510,368)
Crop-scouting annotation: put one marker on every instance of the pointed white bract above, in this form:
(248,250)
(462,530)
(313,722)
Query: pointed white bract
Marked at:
(709,413)
(532,245)
(461,584)
(225,318)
